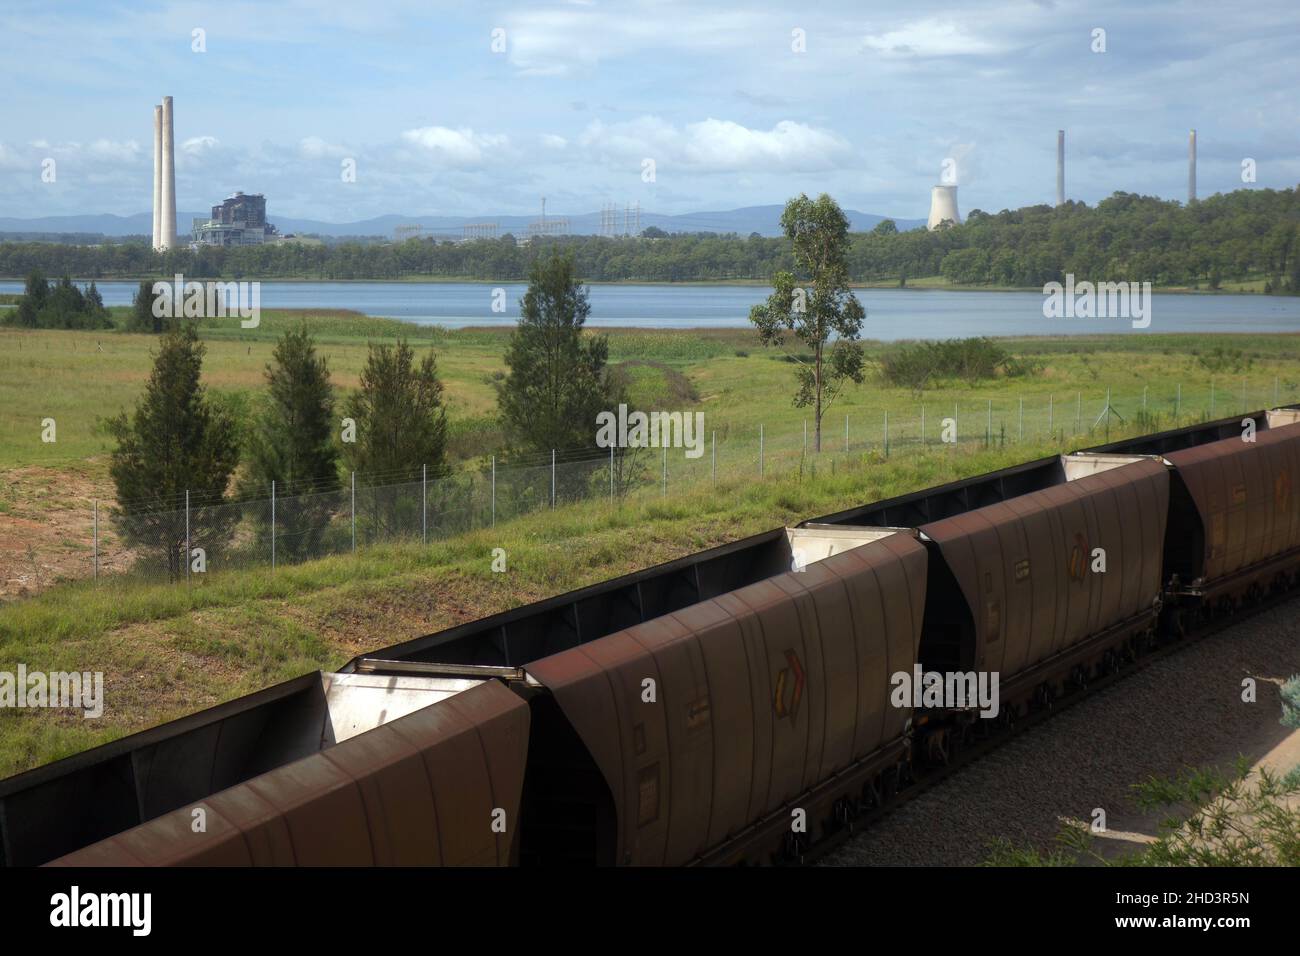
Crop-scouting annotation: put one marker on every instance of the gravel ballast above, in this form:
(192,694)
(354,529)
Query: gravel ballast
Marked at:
(1184,710)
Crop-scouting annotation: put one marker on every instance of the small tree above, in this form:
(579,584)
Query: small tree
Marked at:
(142,318)
(556,385)
(401,426)
(292,443)
(175,441)
(817,306)
(35,294)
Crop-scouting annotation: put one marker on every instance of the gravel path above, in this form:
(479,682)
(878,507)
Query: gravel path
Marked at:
(1184,710)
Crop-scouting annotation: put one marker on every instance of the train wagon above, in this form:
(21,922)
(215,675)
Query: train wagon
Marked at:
(1235,519)
(330,769)
(1047,589)
(712,725)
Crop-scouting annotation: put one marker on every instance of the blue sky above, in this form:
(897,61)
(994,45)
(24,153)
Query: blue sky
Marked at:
(439,124)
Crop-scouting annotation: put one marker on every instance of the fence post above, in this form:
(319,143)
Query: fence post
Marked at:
(494,491)
(424,504)
(96,539)
(886,433)
(760,449)
(715,455)
(665,471)
(552,477)
(187,537)
(611,472)
(1051,407)
(272,524)
(988,434)
(354,512)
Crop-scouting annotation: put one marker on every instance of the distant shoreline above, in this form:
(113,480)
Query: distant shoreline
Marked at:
(921,284)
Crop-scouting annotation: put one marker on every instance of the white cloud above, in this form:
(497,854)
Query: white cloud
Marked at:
(315,147)
(931,37)
(552,141)
(197,145)
(715,145)
(108,149)
(551,42)
(458,147)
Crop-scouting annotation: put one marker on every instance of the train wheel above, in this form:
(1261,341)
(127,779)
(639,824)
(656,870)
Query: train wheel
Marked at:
(845,810)
(796,845)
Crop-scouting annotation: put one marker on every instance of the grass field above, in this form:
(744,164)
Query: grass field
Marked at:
(167,650)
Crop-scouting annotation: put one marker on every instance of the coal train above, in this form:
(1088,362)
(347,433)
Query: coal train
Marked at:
(733,706)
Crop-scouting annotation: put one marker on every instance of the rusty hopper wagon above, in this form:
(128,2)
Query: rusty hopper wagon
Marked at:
(683,713)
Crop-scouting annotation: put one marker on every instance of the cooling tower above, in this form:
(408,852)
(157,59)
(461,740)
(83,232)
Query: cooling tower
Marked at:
(1191,167)
(943,205)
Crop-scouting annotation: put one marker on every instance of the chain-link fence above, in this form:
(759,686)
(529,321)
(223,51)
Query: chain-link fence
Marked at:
(202,536)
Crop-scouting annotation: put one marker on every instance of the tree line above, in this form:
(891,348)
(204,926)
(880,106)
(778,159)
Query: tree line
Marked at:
(1244,234)
(181,446)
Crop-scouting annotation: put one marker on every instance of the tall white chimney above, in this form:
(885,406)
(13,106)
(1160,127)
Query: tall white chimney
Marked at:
(168,176)
(157,177)
(1191,167)
(1060,167)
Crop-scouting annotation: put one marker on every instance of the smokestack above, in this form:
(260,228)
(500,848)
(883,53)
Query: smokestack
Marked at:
(1191,167)
(943,205)
(168,176)
(1060,167)
(157,177)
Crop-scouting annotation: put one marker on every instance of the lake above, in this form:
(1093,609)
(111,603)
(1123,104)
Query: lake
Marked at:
(891,313)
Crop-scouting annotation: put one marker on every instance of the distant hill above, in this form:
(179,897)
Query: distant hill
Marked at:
(764,220)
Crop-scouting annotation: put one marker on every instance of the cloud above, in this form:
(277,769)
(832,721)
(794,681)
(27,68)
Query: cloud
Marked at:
(457,147)
(932,37)
(108,149)
(552,141)
(553,42)
(198,145)
(714,145)
(316,148)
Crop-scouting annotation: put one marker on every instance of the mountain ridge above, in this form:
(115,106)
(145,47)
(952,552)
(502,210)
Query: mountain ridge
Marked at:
(765,220)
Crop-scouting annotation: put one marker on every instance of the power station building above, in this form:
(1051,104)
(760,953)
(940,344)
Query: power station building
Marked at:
(237,221)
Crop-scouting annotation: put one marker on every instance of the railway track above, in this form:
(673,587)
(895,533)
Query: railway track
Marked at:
(924,778)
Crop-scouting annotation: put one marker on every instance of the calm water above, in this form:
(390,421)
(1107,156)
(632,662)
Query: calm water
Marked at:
(891,313)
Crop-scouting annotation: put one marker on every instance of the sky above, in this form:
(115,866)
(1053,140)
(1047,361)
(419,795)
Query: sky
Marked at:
(484,107)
